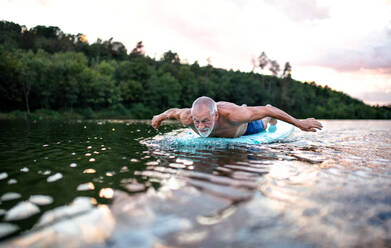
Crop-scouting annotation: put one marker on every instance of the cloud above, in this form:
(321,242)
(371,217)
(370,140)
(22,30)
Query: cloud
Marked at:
(371,86)
(342,35)
(182,23)
(373,53)
(38,2)
(301,10)
(376,97)
(42,2)
(201,29)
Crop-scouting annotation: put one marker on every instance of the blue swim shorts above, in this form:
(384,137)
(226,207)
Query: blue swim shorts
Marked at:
(254,127)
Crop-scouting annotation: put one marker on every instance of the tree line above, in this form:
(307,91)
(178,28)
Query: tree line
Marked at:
(43,68)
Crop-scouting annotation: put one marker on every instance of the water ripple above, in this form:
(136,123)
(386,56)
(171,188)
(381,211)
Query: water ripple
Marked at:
(332,184)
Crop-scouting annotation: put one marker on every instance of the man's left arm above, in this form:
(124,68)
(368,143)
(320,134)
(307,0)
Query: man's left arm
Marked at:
(244,114)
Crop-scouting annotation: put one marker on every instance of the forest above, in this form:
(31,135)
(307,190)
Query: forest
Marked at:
(45,73)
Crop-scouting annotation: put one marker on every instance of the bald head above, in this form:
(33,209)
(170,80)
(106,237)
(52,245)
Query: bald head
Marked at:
(204,103)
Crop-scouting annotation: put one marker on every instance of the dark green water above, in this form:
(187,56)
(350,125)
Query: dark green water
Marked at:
(47,148)
(330,188)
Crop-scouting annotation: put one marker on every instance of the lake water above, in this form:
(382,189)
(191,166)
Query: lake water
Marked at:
(118,184)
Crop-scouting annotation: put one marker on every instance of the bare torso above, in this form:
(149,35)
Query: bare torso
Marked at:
(224,127)
(232,120)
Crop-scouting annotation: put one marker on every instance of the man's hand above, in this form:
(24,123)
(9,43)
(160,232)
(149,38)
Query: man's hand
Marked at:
(157,120)
(309,125)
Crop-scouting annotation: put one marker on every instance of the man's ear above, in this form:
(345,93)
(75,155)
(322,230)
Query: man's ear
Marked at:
(217,115)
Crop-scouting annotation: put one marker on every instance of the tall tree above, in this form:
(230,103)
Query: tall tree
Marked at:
(138,50)
(171,57)
(274,67)
(287,71)
(263,60)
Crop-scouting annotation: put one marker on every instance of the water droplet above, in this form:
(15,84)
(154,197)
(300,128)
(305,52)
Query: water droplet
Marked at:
(73,165)
(192,237)
(89,147)
(86,186)
(47,172)
(7,229)
(10,196)
(24,169)
(135,187)
(152,163)
(176,165)
(57,215)
(12,181)
(93,201)
(3,175)
(184,161)
(41,199)
(87,154)
(22,210)
(54,177)
(89,171)
(134,160)
(91,160)
(107,193)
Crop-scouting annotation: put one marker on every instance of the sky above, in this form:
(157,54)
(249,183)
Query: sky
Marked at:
(345,44)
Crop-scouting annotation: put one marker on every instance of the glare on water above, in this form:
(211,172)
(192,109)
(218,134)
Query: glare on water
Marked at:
(126,183)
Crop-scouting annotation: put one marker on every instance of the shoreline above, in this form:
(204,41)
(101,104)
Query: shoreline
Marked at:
(104,114)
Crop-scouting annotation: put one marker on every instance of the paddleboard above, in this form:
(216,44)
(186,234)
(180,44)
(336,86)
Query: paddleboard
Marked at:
(279,132)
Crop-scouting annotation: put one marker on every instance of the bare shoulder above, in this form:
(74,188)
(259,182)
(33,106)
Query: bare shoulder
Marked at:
(185,111)
(227,106)
(230,111)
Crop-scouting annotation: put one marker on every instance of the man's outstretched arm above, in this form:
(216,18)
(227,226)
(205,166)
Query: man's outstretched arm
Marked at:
(183,115)
(248,114)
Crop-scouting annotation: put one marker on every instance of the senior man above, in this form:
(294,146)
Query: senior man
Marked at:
(228,120)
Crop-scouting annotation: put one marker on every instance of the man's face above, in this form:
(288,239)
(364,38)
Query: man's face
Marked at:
(204,121)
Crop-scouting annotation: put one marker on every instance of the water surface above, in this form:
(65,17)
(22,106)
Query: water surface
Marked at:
(121,184)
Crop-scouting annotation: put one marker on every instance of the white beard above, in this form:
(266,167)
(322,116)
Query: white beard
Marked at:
(206,134)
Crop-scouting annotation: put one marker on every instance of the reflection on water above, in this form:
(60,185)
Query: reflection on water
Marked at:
(324,189)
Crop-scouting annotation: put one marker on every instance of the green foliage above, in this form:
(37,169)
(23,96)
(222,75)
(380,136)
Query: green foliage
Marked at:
(87,113)
(139,111)
(45,72)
